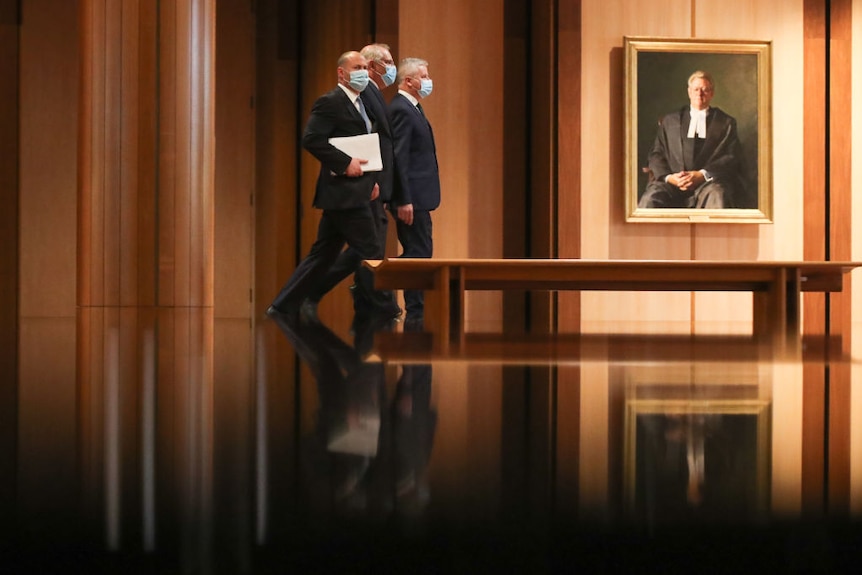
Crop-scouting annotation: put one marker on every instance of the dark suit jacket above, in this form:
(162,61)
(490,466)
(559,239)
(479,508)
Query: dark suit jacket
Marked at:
(417,179)
(375,106)
(334,115)
(719,155)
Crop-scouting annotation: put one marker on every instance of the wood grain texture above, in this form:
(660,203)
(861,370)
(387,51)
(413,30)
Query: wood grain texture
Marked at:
(9,275)
(235,158)
(277,151)
(147,154)
(603,232)
(47,124)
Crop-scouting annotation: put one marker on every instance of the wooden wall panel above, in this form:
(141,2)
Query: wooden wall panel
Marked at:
(146,162)
(48,148)
(9,83)
(757,20)
(482,177)
(856,285)
(235,156)
(603,231)
(519,78)
(571,127)
(277,147)
(469,220)
(840,246)
(814,232)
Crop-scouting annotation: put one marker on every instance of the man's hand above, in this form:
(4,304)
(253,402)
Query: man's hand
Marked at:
(375,192)
(686,181)
(405,214)
(354,168)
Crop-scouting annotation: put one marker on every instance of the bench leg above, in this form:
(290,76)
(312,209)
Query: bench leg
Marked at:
(437,309)
(776,312)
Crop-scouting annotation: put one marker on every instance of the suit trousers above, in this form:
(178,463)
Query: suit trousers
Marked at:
(349,262)
(355,227)
(416,242)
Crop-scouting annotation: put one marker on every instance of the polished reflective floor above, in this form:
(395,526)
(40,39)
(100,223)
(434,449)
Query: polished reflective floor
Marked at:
(164,441)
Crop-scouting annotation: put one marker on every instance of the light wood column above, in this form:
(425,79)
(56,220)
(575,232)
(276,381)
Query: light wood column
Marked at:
(146,153)
(145,270)
(840,248)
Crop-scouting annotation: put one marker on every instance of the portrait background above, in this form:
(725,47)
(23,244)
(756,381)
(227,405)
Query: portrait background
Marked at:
(661,88)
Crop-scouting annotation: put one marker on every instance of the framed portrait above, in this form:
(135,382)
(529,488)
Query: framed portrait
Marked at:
(698,130)
(697,460)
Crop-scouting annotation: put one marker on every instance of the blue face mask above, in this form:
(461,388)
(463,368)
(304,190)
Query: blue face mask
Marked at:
(358,79)
(426,87)
(389,75)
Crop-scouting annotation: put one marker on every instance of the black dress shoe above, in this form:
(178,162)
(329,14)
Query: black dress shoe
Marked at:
(414,324)
(290,315)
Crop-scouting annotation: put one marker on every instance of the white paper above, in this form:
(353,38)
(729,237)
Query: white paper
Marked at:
(361,438)
(364,147)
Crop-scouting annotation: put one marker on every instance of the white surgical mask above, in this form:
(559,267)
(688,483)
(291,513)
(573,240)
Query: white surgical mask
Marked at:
(389,75)
(425,87)
(358,79)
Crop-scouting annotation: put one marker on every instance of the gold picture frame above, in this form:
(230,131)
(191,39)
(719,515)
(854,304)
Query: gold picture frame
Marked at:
(657,71)
(661,477)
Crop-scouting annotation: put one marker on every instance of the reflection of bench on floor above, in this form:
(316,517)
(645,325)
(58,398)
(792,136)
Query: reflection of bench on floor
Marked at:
(776,285)
(397,347)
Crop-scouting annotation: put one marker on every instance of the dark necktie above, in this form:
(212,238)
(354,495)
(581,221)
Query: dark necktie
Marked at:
(364,115)
(421,111)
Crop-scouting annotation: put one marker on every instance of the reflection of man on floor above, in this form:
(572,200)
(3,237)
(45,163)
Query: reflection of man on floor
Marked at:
(696,159)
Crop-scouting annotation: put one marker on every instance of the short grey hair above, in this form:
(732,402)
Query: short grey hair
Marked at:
(409,67)
(375,51)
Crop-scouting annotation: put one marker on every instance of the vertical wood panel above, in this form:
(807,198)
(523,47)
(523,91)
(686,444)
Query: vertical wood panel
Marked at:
(814,248)
(277,151)
(541,188)
(469,219)
(483,178)
(9,83)
(129,154)
(235,156)
(569,201)
(133,160)
(48,148)
(146,214)
(167,162)
(603,232)
(840,246)
(750,242)
(111,240)
(517,76)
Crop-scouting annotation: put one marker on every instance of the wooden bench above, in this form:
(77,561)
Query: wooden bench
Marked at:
(776,285)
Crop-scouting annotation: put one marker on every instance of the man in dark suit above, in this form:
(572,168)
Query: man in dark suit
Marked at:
(417,180)
(696,159)
(344,192)
(381,71)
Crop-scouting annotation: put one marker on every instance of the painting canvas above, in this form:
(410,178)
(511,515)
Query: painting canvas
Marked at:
(675,173)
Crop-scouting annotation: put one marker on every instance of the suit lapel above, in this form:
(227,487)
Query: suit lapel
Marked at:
(351,110)
(714,131)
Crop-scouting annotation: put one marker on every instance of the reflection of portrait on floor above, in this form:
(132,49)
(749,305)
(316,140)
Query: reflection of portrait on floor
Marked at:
(696,466)
(696,160)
